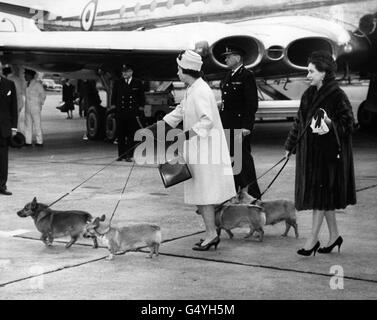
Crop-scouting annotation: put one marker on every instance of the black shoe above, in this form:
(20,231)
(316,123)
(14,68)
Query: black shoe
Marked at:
(39,144)
(304,252)
(5,192)
(215,242)
(128,159)
(338,242)
(28,145)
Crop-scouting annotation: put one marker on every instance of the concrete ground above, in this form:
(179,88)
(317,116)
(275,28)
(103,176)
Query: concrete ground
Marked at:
(239,269)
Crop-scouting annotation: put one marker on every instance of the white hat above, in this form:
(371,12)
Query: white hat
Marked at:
(190,60)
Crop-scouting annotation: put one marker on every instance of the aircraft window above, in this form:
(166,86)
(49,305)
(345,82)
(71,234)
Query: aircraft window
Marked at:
(187,2)
(137,8)
(169,4)
(153,5)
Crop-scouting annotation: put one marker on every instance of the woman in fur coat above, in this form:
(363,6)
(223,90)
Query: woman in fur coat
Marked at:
(321,139)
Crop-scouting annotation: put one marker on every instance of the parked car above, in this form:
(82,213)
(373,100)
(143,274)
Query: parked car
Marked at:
(51,85)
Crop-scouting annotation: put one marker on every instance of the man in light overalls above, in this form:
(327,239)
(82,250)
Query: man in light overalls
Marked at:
(35,96)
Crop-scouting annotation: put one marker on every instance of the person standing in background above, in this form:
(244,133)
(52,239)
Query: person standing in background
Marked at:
(8,127)
(239,105)
(68,98)
(35,97)
(128,100)
(13,73)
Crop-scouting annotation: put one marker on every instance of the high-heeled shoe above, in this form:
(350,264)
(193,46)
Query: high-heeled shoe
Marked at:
(338,242)
(304,252)
(214,242)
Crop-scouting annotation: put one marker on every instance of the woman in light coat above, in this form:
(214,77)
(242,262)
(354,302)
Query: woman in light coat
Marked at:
(206,150)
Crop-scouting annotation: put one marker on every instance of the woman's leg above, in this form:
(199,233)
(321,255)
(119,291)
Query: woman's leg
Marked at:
(332,225)
(208,215)
(316,227)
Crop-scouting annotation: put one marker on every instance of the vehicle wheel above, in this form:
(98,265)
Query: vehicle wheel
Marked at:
(159,115)
(110,129)
(366,119)
(95,122)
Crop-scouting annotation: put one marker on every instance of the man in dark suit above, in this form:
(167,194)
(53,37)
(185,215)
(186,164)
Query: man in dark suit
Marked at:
(128,99)
(8,127)
(239,105)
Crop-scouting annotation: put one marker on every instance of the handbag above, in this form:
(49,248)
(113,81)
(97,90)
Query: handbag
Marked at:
(174,173)
(62,107)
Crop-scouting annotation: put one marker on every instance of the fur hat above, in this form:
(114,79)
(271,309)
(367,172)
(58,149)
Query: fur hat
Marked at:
(190,60)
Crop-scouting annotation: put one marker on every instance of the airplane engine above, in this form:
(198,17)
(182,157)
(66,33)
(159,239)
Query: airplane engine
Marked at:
(254,50)
(298,51)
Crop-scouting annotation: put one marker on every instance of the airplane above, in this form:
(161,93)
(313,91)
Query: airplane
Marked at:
(157,31)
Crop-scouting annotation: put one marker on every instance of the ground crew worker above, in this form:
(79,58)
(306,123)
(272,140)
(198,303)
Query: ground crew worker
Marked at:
(35,97)
(239,105)
(128,100)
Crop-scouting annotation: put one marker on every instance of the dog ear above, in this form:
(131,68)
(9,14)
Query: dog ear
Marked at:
(102,218)
(34,203)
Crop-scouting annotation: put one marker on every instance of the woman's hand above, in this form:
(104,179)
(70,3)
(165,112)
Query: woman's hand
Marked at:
(287,154)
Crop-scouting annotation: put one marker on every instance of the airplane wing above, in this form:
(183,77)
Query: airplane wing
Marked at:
(152,52)
(272,50)
(29,12)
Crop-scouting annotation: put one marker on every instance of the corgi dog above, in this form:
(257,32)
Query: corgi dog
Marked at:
(275,210)
(56,223)
(126,238)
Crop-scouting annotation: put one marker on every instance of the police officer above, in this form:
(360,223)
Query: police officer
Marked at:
(128,100)
(35,97)
(239,105)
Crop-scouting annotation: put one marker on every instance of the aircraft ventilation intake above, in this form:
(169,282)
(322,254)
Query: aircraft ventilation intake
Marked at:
(250,45)
(275,53)
(298,51)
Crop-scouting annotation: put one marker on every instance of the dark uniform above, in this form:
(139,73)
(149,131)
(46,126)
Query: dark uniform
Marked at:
(240,103)
(8,120)
(129,101)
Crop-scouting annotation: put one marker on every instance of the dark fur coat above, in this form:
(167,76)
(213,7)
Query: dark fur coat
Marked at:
(325,178)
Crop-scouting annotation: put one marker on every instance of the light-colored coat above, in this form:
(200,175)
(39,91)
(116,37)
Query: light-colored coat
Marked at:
(207,153)
(35,97)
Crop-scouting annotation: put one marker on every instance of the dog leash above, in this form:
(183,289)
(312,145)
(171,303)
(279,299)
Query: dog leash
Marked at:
(124,188)
(93,175)
(286,158)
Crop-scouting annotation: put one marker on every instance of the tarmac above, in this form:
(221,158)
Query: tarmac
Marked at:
(239,269)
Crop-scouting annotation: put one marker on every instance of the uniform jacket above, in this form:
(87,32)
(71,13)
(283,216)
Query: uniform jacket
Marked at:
(35,95)
(323,180)
(212,181)
(240,99)
(128,97)
(8,107)
(20,89)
